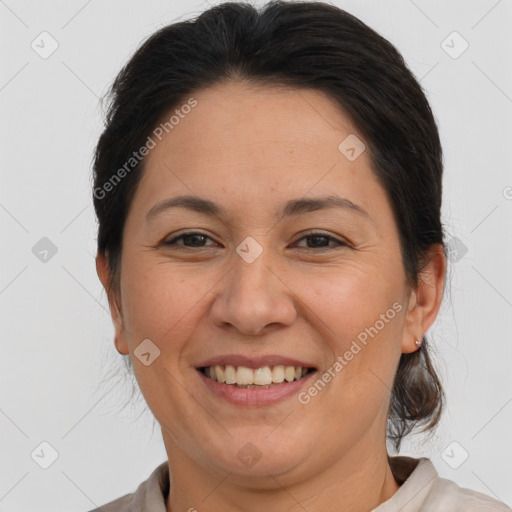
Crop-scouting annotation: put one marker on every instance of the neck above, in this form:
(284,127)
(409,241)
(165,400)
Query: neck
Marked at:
(358,482)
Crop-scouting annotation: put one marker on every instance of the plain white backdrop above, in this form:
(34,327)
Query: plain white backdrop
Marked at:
(57,336)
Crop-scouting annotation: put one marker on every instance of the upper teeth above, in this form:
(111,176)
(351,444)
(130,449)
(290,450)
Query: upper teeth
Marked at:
(264,376)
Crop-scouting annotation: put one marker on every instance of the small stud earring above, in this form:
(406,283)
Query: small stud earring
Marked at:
(418,343)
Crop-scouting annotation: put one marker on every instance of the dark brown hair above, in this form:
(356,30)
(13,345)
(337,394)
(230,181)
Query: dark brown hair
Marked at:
(302,45)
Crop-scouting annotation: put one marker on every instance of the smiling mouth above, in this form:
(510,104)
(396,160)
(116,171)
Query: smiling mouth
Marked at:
(257,378)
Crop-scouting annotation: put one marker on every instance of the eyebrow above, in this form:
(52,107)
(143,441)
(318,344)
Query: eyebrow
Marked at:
(291,208)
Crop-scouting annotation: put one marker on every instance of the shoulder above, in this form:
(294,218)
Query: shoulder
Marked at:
(423,490)
(151,494)
(122,504)
(447,495)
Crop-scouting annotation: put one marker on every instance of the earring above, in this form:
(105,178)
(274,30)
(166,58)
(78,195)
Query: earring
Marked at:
(418,343)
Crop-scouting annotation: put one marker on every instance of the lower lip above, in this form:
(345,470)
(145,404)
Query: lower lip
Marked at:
(254,397)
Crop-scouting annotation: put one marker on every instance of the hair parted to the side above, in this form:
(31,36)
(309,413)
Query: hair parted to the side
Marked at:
(302,45)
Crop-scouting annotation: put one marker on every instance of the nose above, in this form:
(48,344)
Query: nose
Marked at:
(254,298)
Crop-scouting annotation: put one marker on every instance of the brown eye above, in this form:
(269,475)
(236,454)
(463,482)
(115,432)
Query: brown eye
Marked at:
(318,240)
(192,239)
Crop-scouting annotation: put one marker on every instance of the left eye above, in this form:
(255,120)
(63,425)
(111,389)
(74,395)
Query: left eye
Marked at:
(321,240)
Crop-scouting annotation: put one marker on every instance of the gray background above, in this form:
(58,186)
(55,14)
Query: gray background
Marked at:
(57,344)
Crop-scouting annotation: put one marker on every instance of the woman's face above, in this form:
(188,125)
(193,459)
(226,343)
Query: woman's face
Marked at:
(254,289)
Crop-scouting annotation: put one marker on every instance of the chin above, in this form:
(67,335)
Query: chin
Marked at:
(258,453)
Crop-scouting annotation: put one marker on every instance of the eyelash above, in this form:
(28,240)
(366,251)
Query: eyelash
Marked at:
(306,235)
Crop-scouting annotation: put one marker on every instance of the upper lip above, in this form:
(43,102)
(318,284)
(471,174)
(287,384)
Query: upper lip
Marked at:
(254,362)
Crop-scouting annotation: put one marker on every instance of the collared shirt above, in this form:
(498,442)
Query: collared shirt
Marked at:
(421,490)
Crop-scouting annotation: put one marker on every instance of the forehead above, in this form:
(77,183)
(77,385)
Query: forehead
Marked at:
(258,118)
(251,143)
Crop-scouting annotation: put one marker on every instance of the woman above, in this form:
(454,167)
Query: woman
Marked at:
(268,190)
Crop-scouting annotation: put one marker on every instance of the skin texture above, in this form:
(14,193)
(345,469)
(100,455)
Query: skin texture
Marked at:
(252,148)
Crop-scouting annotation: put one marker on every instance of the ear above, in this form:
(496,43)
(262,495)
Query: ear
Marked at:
(103,272)
(425,301)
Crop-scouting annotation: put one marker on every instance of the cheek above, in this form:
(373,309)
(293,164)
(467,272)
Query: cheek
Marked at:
(350,298)
(358,313)
(161,302)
